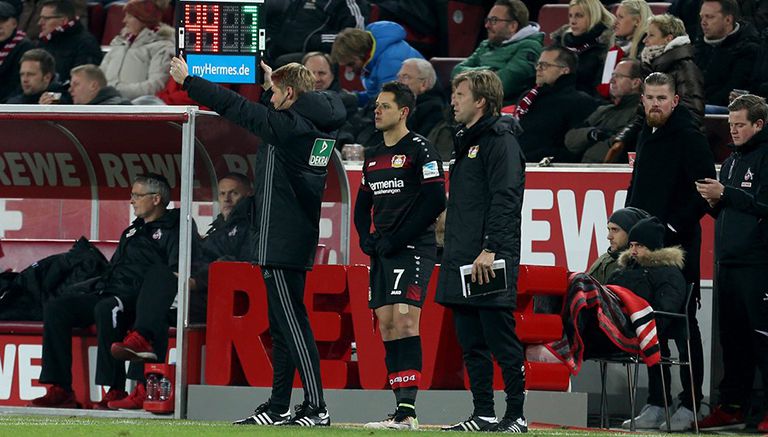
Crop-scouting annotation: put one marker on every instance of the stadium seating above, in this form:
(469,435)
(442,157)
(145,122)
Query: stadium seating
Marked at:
(551,18)
(96,18)
(443,68)
(464,20)
(114,22)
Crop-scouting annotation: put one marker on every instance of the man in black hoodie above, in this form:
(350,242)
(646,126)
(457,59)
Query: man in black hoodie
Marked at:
(672,154)
(487,180)
(290,171)
(37,77)
(740,204)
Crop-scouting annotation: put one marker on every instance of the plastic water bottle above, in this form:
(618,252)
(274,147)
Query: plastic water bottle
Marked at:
(164,389)
(152,388)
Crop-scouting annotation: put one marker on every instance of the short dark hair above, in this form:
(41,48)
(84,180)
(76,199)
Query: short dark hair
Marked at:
(238,177)
(659,79)
(754,105)
(63,7)
(45,59)
(728,7)
(403,95)
(565,57)
(516,10)
(157,184)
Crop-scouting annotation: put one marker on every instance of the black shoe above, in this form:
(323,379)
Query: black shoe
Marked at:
(473,424)
(309,415)
(264,416)
(512,425)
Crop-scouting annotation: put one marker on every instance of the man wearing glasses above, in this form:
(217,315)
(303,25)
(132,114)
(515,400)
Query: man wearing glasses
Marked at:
(552,108)
(420,77)
(511,50)
(63,36)
(148,248)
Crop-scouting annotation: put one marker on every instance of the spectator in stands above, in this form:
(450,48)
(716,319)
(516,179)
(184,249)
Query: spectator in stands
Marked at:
(619,225)
(511,50)
(13,44)
(758,82)
(631,26)
(224,241)
(553,107)
(138,59)
(36,73)
(667,50)
(419,76)
(652,271)
(88,86)
(320,65)
(307,26)
(148,249)
(756,12)
(672,154)
(592,140)
(63,36)
(589,34)
(377,53)
(740,204)
(726,53)
(29,21)
(688,12)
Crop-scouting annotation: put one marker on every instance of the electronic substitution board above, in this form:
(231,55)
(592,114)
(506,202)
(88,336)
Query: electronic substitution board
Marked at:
(222,41)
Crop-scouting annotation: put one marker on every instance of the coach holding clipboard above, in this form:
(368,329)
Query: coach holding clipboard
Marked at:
(487,180)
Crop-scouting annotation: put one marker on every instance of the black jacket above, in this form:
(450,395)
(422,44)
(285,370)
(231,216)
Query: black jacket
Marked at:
(289,176)
(34,99)
(728,65)
(75,46)
(487,180)
(557,109)
(657,278)
(10,84)
(741,230)
(109,96)
(142,245)
(668,163)
(427,112)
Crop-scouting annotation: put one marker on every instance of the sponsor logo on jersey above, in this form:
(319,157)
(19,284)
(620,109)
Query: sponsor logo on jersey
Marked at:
(398,161)
(391,186)
(473,152)
(157,235)
(321,152)
(430,170)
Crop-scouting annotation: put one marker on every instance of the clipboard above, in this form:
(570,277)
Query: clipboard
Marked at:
(496,285)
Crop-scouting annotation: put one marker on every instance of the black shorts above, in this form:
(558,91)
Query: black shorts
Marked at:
(401,278)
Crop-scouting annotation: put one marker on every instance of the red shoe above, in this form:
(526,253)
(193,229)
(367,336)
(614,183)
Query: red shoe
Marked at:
(134,401)
(56,397)
(134,347)
(763,425)
(720,419)
(112,395)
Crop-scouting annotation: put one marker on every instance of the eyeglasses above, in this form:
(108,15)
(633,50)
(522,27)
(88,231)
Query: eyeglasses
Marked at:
(137,196)
(49,17)
(402,77)
(619,75)
(546,65)
(495,20)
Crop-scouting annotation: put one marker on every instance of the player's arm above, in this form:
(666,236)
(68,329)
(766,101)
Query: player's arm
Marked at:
(363,207)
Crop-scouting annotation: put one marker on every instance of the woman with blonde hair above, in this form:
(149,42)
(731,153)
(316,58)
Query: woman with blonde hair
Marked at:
(589,34)
(631,26)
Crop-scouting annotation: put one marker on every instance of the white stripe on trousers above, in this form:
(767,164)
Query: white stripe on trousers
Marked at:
(298,338)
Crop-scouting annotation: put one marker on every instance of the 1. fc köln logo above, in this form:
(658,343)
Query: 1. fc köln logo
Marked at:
(398,161)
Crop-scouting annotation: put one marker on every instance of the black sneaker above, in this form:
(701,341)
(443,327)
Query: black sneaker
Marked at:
(264,416)
(512,425)
(309,415)
(472,424)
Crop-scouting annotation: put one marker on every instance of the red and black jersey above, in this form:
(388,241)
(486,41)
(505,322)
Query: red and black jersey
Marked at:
(394,176)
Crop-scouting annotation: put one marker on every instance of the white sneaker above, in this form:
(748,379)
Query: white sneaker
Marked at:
(650,417)
(682,420)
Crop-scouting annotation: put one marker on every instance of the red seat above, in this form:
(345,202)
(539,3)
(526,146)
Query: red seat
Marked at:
(114,22)
(321,254)
(96,17)
(464,22)
(719,136)
(349,80)
(251,92)
(443,68)
(659,8)
(551,18)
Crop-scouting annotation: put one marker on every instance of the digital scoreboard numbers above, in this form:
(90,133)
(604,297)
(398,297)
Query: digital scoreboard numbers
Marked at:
(221,40)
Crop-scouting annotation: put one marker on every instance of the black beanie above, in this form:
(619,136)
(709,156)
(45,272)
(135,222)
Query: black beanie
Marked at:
(627,217)
(10,9)
(649,232)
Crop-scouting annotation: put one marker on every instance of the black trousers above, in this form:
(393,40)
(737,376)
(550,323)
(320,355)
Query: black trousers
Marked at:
(482,332)
(691,243)
(743,306)
(293,344)
(112,316)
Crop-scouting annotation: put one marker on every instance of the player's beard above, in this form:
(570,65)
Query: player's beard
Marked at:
(656,118)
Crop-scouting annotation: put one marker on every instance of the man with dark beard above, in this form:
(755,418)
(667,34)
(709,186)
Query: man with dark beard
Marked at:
(672,154)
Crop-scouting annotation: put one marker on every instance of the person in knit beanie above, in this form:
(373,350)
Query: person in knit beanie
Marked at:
(145,11)
(619,224)
(648,232)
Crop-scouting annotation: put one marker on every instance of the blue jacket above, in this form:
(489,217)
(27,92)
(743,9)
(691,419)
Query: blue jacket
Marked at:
(389,52)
